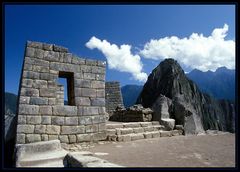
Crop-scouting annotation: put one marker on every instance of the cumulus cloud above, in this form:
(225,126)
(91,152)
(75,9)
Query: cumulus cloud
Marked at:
(119,58)
(197,51)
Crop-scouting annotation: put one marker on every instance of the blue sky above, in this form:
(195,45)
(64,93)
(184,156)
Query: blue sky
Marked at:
(73,26)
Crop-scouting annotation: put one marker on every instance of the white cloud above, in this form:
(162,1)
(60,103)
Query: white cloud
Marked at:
(197,51)
(119,58)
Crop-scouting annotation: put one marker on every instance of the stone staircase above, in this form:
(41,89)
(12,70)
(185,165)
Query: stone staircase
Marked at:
(138,130)
(40,154)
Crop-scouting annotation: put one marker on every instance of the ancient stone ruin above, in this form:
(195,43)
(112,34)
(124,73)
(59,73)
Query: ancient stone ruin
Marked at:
(113,96)
(42,115)
(136,113)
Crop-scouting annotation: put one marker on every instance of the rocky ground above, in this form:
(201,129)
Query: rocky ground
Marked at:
(209,150)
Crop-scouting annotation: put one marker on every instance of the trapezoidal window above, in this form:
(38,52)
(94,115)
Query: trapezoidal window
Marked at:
(66,79)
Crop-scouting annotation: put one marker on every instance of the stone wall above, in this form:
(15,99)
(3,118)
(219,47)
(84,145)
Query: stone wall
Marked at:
(113,96)
(42,115)
(135,113)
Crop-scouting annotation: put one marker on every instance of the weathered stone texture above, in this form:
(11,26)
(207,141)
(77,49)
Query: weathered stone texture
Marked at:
(113,96)
(42,114)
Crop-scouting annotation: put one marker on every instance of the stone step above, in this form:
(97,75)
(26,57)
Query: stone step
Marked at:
(131,125)
(144,135)
(47,159)
(40,154)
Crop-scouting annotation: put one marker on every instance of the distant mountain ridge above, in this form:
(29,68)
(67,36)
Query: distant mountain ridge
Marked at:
(219,84)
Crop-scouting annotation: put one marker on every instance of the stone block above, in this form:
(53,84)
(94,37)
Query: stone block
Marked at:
(51,56)
(22,119)
(155,134)
(90,76)
(101,63)
(111,132)
(53,129)
(30,52)
(91,128)
(101,127)
(102,110)
(91,62)
(90,110)
(38,53)
(63,138)
(84,137)
(147,135)
(71,120)
(46,120)
(40,129)
(53,137)
(36,68)
(27,83)
(29,92)
(38,101)
(168,123)
(175,133)
(131,125)
(30,138)
(48,76)
(126,130)
(136,136)
(138,130)
(44,137)
(24,100)
(45,110)
(20,139)
(100,77)
(88,92)
(67,58)
(51,101)
(41,62)
(81,121)
(149,128)
(98,84)
(38,45)
(78,75)
(57,120)
(73,130)
(96,119)
(165,133)
(40,84)
(100,93)
(99,136)
(60,49)
(25,128)
(83,101)
(145,124)
(82,83)
(30,75)
(155,122)
(123,138)
(46,92)
(98,70)
(79,61)
(114,126)
(65,110)
(27,67)
(80,110)
(48,47)
(33,119)
(88,120)
(98,101)
(72,138)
